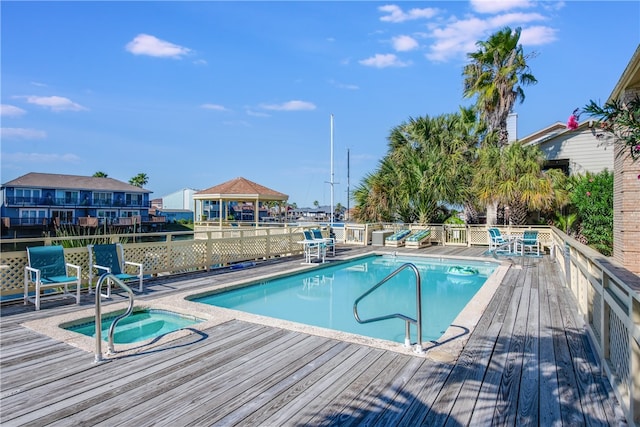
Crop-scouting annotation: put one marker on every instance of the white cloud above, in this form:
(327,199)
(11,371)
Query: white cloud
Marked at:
(459,37)
(257,113)
(496,6)
(383,61)
(55,103)
(215,107)
(395,14)
(344,85)
(404,43)
(11,110)
(22,133)
(27,158)
(290,106)
(535,36)
(145,44)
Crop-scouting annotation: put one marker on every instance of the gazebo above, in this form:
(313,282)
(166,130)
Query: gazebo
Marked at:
(239,190)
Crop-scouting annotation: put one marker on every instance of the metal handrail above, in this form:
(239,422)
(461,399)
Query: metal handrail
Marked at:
(417,321)
(98,321)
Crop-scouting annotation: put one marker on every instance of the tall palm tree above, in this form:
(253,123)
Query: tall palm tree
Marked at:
(496,74)
(139,180)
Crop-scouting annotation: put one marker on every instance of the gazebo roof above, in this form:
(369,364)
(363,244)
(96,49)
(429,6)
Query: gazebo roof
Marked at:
(240,189)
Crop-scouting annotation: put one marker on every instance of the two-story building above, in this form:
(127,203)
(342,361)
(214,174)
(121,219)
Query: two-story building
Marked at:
(37,199)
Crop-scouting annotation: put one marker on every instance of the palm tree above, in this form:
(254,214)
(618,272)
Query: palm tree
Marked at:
(513,177)
(496,74)
(100,174)
(139,180)
(428,163)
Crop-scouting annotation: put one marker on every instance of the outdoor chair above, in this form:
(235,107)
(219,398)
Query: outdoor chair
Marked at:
(47,269)
(109,258)
(529,243)
(398,238)
(329,241)
(313,248)
(500,243)
(419,239)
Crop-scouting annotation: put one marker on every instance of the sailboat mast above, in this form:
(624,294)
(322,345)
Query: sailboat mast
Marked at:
(331,182)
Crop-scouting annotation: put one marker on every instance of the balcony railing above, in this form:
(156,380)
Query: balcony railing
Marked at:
(16,202)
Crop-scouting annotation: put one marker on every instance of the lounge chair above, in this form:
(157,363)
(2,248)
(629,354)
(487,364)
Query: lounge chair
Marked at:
(529,243)
(398,238)
(330,241)
(109,258)
(500,243)
(47,269)
(419,239)
(313,248)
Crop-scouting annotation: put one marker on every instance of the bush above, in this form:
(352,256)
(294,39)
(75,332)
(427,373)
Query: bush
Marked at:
(592,197)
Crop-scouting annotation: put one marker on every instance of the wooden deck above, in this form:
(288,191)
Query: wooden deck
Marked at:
(528,362)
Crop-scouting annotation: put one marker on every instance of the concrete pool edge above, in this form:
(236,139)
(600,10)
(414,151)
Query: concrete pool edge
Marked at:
(446,349)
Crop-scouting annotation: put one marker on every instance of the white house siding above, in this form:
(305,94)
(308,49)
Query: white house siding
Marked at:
(182,199)
(582,149)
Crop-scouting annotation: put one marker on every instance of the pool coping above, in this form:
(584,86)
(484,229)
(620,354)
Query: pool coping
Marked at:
(446,349)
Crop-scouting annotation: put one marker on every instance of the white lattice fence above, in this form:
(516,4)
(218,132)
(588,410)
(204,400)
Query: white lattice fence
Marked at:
(611,309)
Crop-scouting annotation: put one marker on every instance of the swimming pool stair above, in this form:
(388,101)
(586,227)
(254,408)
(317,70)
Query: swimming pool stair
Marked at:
(98,321)
(408,320)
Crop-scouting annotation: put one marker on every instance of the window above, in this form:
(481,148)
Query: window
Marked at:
(102,199)
(133,199)
(128,214)
(27,195)
(107,214)
(33,216)
(68,197)
(63,216)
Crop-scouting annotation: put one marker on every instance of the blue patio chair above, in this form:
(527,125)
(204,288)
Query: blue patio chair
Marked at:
(419,239)
(398,238)
(330,241)
(109,258)
(529,243)
(47,269)
(313,248)
(498,242)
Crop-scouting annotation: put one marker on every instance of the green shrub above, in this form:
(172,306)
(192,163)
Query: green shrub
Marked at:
(592,197)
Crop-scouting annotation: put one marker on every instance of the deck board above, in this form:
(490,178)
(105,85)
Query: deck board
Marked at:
(528,362)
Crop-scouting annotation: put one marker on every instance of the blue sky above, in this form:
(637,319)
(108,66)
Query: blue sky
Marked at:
(197,93)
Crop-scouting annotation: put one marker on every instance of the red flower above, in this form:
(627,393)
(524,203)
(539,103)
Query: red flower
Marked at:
(588,193)
(572,123)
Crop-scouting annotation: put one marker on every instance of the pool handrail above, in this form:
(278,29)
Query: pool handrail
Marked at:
(98,320)
(417,321)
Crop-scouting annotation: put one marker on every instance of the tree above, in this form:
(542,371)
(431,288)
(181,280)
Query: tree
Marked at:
(139,180)
(100,174)
(513,176)
(428,163)
(496,74)
(620,120)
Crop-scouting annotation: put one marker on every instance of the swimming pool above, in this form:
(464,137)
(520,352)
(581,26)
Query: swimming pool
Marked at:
(141,325)
(324,297)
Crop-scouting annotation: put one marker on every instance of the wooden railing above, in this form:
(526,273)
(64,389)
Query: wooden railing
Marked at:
(608,297)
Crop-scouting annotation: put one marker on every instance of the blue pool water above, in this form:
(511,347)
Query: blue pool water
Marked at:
(139,326)
(324,297)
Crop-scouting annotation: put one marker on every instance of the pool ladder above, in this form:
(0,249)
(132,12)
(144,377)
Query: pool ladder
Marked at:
(98,289)
(408,320)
